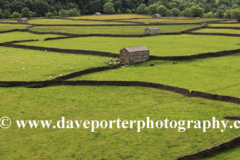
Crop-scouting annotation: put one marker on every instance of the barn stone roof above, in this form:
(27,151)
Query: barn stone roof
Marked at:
(135,49)
(152,28)
(23,18)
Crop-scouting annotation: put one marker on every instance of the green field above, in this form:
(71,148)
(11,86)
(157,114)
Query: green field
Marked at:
(230,31)
(5,27)
(114,16)
(40,65)
(213,75)
(217,75)
(17,36)
(163,45)
(225,25)
(66,21)
(89,103)
(172,20)
(130,30)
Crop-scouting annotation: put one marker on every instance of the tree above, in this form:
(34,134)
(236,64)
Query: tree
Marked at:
(172,5)
(6,13)
(108,8)
(196,11)
(236,13)
(141,9)
(168,13)
(73,12)
(185,12)
(25,12)
(234,6)
(1,15)
(220,13)
(15,15)
(49,15)
(54,13)
(119,11)
(153,8)
(228,14)
(128,10)
(209,15)
(162,10)
(63,13)
(175,12)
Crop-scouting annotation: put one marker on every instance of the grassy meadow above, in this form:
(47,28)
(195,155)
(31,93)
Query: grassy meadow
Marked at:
(5,27)
(217,75)
(89,103)
(128,30)
(208,30)
(162,45)
(225,25)
(32,65)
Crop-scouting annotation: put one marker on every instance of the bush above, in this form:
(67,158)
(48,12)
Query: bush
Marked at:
(168,13)
(128,10)
(63,13)
(49,15)
(209,15)
(162,10)
(196,11)
(220,13)
(6,14)
(26,12)
(228,14)
(15,15)
(175,12)
(141,9)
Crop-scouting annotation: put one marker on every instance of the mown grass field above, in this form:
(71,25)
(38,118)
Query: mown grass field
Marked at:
(89,103)
(129,30)
(32,65)
(114,16)
(172,20)
(162,45)
(66,21)
(218,75)
(17,36)
(5,27)
(213,75)
(209,30)
(225,25)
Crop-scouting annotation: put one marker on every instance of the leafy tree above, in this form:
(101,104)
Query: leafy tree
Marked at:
(49,15)
(175,12)
(196,11)
(141,9)
(108,8)
(172,5)
(128,10)
(54,13)
(209,15)
(63,13)
(228,14)
(185,12)
(25,12)
(236,13)
(73,12)
(119,11)
(153,8)
(6,13)
(168,13)
(234,6)
(15,15)
(34,14)
(1,15)
(162,10)
(220,13)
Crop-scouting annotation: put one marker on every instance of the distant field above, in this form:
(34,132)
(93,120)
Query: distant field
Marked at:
(213,75)
(107,103)
(111,29)
(39,65)
(5,27)
(225,25)
(164,20)
(162,45)
(16,36)
(65,21)
(114,16)
(209,30)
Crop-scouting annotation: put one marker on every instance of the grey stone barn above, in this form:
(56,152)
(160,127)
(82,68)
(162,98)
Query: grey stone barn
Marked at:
(131,55)
(158,16)
(23,20)
(152,31)
(97,14)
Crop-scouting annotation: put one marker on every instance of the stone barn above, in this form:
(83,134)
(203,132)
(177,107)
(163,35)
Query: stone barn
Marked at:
(152,31)
(97,14)
(23,20)
(131,55)
(158,16)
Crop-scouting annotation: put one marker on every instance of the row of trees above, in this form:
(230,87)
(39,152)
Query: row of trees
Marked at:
(193,8)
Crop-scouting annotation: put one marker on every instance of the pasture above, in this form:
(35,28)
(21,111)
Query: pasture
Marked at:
(216,75)
(209,30)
